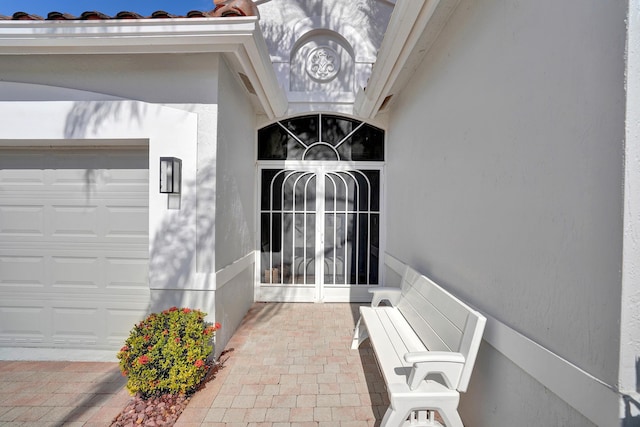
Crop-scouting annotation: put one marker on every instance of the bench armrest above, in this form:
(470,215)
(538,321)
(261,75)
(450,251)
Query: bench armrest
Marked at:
(448,364)
(382,293)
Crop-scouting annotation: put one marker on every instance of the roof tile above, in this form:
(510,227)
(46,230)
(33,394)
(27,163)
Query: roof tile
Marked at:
(223,8)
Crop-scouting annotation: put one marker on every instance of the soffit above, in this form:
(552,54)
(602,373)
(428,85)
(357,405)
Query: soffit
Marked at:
(239,39)
(413,28)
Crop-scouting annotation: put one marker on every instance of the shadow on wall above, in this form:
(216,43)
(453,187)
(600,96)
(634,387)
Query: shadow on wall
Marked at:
(278,32)
(172,257)
(632,406)
(88,117)
(176,243)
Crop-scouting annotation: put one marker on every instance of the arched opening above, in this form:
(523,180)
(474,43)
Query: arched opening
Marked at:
(320,209)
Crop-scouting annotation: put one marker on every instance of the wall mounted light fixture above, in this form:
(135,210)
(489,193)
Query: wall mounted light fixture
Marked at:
(170,175)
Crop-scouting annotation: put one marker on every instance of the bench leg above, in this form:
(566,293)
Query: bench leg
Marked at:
(449,413)
(404,404)
(359,335)
(394,417)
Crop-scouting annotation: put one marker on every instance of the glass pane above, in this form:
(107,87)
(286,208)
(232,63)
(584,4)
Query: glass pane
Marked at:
(335,129)
(367,144)
(266,197)
(321,152)
(288,139)
(305,128)
(374,248)
(275,143)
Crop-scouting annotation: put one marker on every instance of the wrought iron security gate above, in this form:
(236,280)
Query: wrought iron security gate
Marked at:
(320,209)
(320,233)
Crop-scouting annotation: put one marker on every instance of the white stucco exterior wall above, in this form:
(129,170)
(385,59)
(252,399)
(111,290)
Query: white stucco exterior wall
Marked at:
(182,242)
(506,151)
(235,206)
(630,316)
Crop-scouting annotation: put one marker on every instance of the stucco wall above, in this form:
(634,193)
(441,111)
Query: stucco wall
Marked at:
(178,275)
(235,173)
(630,318)
(506,152)
(177,78)
(235,213)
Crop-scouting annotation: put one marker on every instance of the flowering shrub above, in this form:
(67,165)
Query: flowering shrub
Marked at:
(167,352)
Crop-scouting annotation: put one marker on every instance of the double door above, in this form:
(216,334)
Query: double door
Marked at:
(319,233)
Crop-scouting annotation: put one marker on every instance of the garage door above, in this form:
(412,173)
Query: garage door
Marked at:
(73,246)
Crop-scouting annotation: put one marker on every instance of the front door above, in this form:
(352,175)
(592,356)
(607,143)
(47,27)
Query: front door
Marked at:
(320,218)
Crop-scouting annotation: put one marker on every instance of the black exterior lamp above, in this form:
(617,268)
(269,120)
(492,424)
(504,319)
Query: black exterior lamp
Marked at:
(170,175)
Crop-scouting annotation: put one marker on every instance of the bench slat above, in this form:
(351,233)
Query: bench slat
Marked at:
(435,315)
(391,338)
(434,341)
(455,309)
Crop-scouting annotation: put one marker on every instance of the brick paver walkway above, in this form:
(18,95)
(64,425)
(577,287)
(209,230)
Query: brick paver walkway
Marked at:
(292,365)
(60,393)
(289,365)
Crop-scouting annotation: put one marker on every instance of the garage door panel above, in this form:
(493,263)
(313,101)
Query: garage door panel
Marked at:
(22,322)
(113,272)
(127,222)
(127,273)
(120,321)
(22,272)
(73,246)
(76,272)
(22,220)
(75,325)
(74,221)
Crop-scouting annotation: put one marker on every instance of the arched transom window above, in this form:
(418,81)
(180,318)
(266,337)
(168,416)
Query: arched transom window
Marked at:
(321,137)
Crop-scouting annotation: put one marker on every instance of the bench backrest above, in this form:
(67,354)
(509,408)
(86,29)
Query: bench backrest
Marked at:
(442,321)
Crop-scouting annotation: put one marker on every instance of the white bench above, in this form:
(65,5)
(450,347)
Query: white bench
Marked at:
(426,344)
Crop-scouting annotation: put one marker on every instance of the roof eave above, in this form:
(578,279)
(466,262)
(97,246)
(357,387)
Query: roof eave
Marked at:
(413,28)
(239,39)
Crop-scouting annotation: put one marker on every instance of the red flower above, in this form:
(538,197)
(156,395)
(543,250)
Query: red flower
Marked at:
(147,337)
(186,310)
(217,326)
(199,363)
(144,359)
(125,348)
(178,339)
(174,308)
(125,373)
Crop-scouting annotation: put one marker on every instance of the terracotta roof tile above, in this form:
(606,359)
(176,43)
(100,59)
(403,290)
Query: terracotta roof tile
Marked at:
(59,16)
(94,14)
(223,8)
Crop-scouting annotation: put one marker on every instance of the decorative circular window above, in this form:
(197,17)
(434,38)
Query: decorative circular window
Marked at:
(323,63)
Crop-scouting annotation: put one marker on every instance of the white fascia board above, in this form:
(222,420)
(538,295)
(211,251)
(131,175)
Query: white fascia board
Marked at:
(411,21)
(239,38)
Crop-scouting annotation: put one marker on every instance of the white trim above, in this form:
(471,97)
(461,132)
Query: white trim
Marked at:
(585,393)
(596,400)
(57,354)
(63,144)
(226,274)
(239,39)
(630,309)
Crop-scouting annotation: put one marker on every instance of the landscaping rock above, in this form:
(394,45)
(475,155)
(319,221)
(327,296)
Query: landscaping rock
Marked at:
(157,411)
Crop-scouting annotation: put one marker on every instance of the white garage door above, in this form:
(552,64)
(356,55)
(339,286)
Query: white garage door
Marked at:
(73,246)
